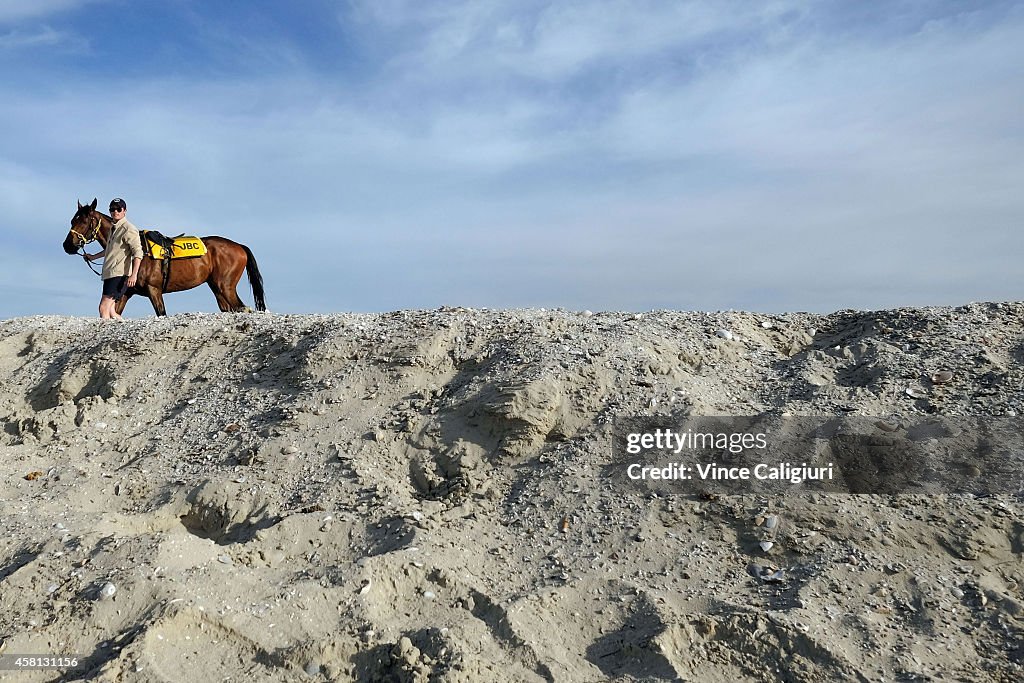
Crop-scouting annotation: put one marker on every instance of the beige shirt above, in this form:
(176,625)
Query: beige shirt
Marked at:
(123,245)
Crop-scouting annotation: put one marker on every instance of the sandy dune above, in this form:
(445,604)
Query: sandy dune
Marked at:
(423,496)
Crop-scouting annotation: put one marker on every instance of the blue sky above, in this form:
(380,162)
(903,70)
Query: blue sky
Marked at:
(602,155)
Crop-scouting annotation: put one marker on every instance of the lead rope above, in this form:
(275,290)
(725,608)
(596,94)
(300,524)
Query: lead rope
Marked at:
(89,263)
(81,249)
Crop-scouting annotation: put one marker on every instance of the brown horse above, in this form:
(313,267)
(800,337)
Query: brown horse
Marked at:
(221,267)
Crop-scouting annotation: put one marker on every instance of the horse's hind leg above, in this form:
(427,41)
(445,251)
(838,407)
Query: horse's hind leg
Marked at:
(222,302)
(122,302)
(225,289)
(156,297)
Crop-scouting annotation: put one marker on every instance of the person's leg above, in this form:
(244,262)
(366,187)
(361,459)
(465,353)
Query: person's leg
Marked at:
(106,308)
(113,288)
(114,313)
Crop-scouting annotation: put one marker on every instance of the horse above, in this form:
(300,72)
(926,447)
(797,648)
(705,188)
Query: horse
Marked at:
(220,267)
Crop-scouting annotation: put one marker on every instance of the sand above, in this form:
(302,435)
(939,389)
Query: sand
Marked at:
(425,496)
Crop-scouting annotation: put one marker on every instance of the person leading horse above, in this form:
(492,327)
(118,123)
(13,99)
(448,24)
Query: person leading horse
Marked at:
(121,260)
(220,267)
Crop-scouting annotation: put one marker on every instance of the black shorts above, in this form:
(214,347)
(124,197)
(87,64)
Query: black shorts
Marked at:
(115,287)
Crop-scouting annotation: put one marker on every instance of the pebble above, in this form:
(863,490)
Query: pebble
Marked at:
(766,574)
(404,646)
(724,334)
(766,545)
(107,591)
(289,450)
(100,425)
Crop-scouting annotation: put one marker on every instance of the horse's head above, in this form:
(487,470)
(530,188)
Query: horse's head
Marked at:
(85,227)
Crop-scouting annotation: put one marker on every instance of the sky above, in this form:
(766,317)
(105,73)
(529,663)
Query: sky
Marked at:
(605,154)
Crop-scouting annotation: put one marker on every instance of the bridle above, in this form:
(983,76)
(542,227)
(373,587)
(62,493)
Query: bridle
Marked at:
(93,233)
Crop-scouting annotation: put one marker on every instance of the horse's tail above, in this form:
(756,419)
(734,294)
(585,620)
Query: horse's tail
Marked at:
(255,279)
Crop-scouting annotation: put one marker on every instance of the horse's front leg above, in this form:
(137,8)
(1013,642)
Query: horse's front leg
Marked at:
(156,297)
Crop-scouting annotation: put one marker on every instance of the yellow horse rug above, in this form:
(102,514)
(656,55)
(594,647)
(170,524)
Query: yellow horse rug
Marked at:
(156,245)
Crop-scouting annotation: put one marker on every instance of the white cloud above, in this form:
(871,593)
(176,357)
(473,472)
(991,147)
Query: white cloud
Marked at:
(552,40)
(18,10)
(930,101)
(40,37)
